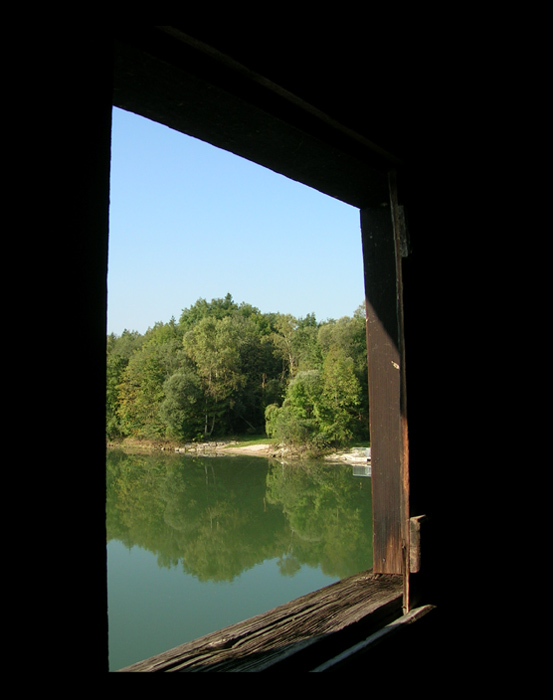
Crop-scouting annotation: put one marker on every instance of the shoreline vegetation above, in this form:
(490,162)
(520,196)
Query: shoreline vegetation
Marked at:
(259,447)
(226,370)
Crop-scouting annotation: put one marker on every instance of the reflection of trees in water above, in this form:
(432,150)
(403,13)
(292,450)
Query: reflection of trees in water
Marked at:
(329,512)
(219,517)
(289,565)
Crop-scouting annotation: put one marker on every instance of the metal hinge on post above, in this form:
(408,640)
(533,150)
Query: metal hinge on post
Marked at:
(399,218)
(415,543)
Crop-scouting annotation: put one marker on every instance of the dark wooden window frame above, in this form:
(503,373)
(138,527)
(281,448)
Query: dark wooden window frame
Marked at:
(170,77)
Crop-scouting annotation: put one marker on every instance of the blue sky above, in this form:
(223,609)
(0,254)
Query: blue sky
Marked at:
(188,220)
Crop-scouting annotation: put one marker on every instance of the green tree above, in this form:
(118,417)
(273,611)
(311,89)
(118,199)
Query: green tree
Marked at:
(304,394)
(324,403)
(141,391)
(287,427)
(296,422)
(305,344)
(182,408)
(339,399)
(296,343)
(214,347)
(216,308)
(115,366)
(282,339)
(349,335)
(119,350)
(259,369)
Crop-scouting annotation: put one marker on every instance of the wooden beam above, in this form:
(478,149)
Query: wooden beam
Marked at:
(179,82)
(387,407)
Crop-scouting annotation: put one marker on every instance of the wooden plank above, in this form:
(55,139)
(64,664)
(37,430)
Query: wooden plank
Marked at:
(296,636)
(385,360)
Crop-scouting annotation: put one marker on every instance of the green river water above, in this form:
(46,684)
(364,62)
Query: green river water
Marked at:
(198,543)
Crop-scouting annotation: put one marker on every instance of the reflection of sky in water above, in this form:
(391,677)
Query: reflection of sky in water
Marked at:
(152,609)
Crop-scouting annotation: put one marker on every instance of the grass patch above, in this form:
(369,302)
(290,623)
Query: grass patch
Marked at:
(246,440)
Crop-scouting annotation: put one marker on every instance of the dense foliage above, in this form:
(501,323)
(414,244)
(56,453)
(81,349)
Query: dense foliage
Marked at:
(229,369)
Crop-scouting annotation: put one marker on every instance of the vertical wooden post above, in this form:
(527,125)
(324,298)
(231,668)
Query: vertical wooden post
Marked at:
(387,409)
(72,82)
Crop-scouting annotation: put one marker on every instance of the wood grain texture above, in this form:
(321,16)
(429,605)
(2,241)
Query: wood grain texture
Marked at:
(387,428)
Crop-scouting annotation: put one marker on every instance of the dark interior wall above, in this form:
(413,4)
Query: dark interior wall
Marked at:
(64,114)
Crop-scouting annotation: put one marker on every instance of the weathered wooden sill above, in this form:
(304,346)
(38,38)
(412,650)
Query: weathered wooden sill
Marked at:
(299,636)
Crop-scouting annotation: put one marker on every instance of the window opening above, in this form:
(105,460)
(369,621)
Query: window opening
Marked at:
(175,251)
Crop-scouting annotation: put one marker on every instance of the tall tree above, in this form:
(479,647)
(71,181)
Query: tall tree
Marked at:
(183,406)
(119,350)
(216,308)
(282,338)
(213,346)
(340,398)
(141,391)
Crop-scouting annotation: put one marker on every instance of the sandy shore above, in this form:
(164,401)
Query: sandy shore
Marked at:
(355,455)
(256,450)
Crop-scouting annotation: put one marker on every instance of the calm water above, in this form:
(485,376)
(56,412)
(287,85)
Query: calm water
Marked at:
(195,544)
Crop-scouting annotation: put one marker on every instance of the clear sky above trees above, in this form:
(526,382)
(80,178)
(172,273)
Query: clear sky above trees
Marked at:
(190,221)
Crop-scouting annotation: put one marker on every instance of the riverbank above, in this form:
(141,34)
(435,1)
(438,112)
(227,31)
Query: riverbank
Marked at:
(206,447)
(351,455)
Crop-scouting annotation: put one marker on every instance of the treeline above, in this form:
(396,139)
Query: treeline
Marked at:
(229,369)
